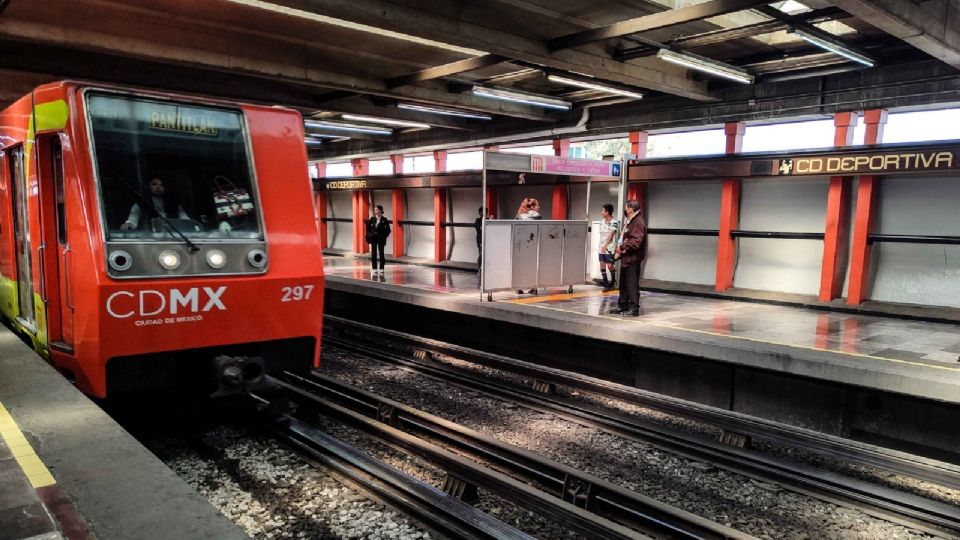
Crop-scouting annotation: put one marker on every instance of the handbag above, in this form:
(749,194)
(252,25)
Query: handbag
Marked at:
(230,201)
(371,235)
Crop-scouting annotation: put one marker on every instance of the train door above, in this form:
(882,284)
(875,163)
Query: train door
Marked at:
(55,289)
(21,231)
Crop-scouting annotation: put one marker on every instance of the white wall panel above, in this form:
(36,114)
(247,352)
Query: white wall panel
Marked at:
(778,205)
(917,273)
(462,207)
(419,208)
(682,205)
(600,193)
(340,235)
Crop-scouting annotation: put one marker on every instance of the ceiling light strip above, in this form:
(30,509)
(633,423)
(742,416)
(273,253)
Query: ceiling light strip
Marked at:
(834,46)
(706,65)
(347,127)
(594,86)
(384,121)
(447,112)
(521,97)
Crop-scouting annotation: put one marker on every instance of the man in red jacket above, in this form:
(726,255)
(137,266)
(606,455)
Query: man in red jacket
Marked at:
(630,251)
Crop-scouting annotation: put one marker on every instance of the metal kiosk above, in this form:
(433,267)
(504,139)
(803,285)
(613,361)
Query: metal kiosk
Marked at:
(520,254)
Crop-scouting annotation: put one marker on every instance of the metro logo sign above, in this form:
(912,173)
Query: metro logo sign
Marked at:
(153,303)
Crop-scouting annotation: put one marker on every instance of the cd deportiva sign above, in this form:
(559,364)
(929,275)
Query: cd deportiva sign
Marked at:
(880,163)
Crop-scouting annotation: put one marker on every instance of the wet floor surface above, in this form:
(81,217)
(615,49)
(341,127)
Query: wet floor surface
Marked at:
(881,337)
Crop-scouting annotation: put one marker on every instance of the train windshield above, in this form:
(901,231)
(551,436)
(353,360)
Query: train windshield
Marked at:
(168,168)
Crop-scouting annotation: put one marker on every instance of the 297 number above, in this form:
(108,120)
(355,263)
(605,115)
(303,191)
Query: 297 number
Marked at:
(295,294)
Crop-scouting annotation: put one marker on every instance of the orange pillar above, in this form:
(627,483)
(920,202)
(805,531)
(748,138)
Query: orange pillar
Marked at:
(396,161)
(867,190)
(361,208)
(491,202)
(399,211)
(838,205)
(561,195)
(439,210)
(321,203)
(729,212)
(637,191)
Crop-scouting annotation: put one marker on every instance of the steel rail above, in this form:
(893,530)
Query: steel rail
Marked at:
(889,460)
(437,510)
(911,510)
(579,501)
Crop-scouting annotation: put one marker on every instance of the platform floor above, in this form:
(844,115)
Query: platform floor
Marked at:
(888,345)
(69,470)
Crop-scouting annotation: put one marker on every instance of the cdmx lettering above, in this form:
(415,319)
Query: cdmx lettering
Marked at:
(876,163)
(149,302)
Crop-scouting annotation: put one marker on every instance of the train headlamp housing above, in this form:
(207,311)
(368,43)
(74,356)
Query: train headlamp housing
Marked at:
(120,260)
(257,258)
(169,259)
(216,258)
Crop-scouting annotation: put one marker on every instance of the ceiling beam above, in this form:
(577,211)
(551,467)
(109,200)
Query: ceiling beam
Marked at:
(932,26)
(225,49)
(447,70)
(671,17)
(478,29)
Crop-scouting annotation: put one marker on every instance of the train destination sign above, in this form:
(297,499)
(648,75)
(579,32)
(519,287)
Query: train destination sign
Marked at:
(930,158)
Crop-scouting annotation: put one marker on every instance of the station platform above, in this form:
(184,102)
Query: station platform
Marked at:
(791,363)
(68,470)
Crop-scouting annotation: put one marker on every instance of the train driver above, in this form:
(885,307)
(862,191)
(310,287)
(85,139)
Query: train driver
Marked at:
(167,205)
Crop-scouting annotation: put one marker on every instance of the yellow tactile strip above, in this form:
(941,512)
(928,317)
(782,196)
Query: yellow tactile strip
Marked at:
(30,463)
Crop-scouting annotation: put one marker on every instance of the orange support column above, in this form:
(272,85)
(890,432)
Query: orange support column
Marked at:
(396,161)
(399,211)
(439,210)
(867,190)
(838,205)
(491,202)
(361,208)
(321,202)
(637,191)
(729,212)
(561,195)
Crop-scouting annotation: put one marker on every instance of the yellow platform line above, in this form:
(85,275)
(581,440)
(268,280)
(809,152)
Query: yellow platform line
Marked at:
(560,296)
(34,469)
(756,340)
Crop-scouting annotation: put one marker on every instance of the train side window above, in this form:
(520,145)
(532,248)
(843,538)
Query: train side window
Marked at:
(58,180)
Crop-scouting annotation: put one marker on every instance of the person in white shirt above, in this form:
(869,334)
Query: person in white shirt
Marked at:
(608,244)
(163,203)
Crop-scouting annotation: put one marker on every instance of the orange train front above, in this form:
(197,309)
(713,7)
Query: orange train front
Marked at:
(150,240)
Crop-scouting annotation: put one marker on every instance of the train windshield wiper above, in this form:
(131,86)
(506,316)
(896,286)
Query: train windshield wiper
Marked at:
(142,201)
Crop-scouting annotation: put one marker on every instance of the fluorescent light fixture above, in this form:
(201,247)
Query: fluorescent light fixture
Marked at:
(447,112)
(312,142)
(707,65)
(317,17)
(594,86)
(337,126)
(384,121)
(834,45)
(522,97)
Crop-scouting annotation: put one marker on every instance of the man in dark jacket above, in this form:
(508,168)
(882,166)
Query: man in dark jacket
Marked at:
(630,251)
(378,229)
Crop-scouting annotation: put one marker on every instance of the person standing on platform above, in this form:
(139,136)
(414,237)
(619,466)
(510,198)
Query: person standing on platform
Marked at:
(608,245)
(378,229)
(630,252)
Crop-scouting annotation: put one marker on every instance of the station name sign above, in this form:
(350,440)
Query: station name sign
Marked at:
(879,163)
(346,184)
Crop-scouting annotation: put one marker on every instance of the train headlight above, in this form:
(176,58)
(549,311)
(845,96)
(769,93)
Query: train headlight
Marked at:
(169,260)
(257,258)
(120,260)
(216,258)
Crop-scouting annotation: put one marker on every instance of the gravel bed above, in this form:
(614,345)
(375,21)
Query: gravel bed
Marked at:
(273,493)
(874,475)
(753,507)
(504,510)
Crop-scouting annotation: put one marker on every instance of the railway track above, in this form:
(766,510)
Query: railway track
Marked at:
(588,505)
(413,353)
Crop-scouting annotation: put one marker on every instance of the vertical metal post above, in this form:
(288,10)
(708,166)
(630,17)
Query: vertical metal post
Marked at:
(483,226)
(589,230)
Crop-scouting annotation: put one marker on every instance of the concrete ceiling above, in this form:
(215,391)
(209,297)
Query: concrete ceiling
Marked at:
(330,57)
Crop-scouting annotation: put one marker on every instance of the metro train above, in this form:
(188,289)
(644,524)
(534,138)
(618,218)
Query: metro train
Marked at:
(151,240)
